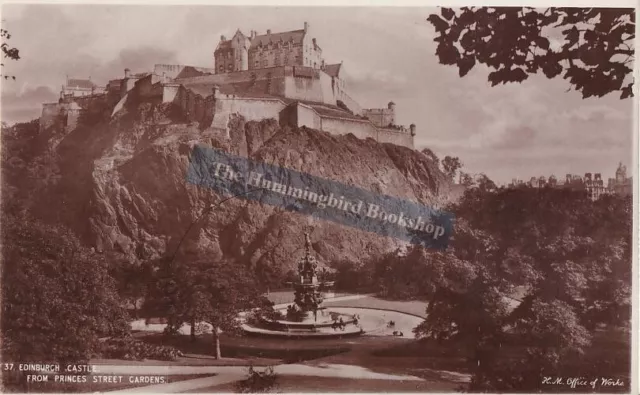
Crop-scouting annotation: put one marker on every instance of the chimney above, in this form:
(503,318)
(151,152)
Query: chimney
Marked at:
(412,128)
(127,73)
(223,38)
(306,27)
(268,31)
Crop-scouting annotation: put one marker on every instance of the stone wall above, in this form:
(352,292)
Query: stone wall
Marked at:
(62,115)
(299,83)
(381,117)
(300,87)
(50,113)
(298,114)
(251,109)
(348,101)
(362,129)
(172,71)
(404,139)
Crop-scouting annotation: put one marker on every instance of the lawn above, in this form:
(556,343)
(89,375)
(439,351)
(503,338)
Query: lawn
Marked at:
(282,297)
(298,384)
(413,307)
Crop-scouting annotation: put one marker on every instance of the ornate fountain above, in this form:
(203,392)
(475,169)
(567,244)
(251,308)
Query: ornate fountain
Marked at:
(306,317)
(308,291)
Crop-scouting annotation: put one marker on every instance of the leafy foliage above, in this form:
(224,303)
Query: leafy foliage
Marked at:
(258,382)
(431,155)
(591,48)
(8,52)
(199,290)
(135,350)
(58,297)
(131,282)
(450,165)
(528,278)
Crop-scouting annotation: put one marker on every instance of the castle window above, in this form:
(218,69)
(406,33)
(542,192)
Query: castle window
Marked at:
(221,68)
(230,67)
(257,63)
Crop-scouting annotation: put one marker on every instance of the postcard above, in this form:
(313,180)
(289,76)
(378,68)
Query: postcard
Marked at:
(255,199)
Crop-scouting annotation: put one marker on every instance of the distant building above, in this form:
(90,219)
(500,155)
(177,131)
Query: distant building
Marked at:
(621,185)
(595,187)
(592,183)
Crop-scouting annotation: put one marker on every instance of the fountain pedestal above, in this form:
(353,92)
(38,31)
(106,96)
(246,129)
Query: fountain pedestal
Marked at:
(306,318)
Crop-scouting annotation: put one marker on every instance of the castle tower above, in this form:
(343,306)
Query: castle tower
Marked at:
(621,173)
(240,44)
(391,115)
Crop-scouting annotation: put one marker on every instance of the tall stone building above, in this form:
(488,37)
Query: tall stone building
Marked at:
(293,48)
(622,184)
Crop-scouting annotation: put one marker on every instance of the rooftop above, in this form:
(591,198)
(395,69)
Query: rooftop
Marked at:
(294,36)
(333,69)
(79,83)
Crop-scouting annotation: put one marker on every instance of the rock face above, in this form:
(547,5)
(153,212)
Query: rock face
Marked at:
(120,184)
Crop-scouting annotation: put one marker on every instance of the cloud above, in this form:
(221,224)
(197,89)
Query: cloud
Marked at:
(26,105)
(532,128)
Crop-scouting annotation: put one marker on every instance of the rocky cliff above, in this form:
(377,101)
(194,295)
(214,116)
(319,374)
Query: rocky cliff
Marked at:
(119,182)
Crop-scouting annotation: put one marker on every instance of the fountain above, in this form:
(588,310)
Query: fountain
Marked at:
(306,317)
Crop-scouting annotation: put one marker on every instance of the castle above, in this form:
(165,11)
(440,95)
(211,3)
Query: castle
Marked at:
(592,183)
(273,75)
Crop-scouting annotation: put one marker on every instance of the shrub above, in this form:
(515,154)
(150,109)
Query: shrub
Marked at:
(135,350)
(258,382)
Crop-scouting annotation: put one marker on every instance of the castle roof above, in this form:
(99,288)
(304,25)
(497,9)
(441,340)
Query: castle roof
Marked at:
(80,83)
(295,36)
(333,69)
(330,111)
(224,45)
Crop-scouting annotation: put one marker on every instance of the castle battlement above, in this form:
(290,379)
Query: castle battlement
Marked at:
(273,75)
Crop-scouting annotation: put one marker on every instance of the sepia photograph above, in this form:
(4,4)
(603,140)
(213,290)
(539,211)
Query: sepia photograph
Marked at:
(318,199)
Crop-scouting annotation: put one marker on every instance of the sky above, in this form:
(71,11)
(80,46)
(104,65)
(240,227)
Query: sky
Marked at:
(538,127)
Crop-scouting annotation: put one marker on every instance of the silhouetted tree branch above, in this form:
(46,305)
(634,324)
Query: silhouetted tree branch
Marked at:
(591,48)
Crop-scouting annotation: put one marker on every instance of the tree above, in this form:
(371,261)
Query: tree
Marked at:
(466,179)
(484,183)
(450,165)
(528,277)
(199,290)
(131,281)
(591,48)
(431,155)
(8,51)
(58,298)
